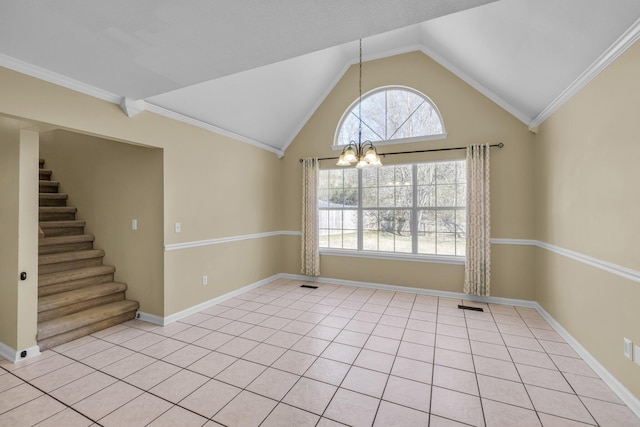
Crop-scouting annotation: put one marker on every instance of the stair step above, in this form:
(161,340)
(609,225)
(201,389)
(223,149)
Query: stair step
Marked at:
(63,329)
(62,281)
(48,186)
(65,303)
(57,213)
(50,245)
(61,261)
(53,199)
(41,163)
(45,174)
(62,228)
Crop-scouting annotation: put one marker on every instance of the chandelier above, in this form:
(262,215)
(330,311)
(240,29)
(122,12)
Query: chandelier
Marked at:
(362,153)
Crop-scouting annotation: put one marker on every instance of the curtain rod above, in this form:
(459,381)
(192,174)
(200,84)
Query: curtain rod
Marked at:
(499,145)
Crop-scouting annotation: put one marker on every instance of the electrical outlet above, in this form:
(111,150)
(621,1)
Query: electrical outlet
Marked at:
(628,348)
(205,280)
(134,224)
(636,354)
(178,227)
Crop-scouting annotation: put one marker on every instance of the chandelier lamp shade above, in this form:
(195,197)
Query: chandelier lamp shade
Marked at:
(362,153)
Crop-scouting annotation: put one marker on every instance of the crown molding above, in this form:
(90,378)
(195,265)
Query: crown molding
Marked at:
(130,108)
(618,47)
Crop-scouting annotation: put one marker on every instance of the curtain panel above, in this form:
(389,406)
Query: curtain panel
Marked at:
(477,272)
(310,250)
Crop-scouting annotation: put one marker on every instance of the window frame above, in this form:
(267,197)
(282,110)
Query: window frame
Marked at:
(373,92)
(360,252)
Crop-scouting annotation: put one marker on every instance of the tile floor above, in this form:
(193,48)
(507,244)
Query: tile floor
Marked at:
(282,355)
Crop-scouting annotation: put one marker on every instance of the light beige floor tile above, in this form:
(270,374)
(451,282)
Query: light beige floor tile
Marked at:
(88,349)
(547,378)
(212,364)
(210,398)
(186,355)
(123,335)
(360,326)
(294,362)
(483,325)
(43,367)
(324,332)
(355,339)
(371,314)
(127,366)
(455,379)
(107,400)
(139,412)
(399,312)
(258,333)
(273,383)
(241,373)
(235,328)
(424,316)
(502,415)
(152,375)
(351,408)
(573,366)
(213,340)
(171,329)
(341,352)
(142,341)
(275,322)
(419,337)
(179,386)
(522,342)
(310,395)
(412,369)
(559,348)
(485,336)
(9,381)
(610,414)
(494,351)
(557,403)
(347,313)
(246,410)
(374,360)
(191,334)
(436,421)
(285,415)
(311,317)
(504,391)
(314,346)
(509,320)
(237,347)
(254,318)
(32,412)
(419,352)
(553,421)
(409,393)
(17,396)
(452,343)
(63,348)
(496,368)
(457,320)
(265,354)
(383,345)
(283,339)
(329,371)
(533,358)
(66,418)
(392,415)
(108,356)
(82,388)
(195,318)
(387,331)
(545,334)
(594,388)
(453,331)
(177,416)
(456,406)
(508,329)
(141,324)
(365,381)
(61,377)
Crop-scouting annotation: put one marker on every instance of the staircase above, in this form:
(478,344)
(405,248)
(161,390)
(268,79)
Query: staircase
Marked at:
(77,294)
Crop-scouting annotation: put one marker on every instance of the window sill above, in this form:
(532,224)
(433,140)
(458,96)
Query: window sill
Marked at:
(436,259)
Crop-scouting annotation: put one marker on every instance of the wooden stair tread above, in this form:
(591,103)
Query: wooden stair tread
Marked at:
(59,224)
(62,299)
(53,195)
(69,256)
(64,240)
(78,273)
(57,209)
(61,325)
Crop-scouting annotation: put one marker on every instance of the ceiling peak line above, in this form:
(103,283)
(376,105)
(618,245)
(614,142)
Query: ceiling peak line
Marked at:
(617,48)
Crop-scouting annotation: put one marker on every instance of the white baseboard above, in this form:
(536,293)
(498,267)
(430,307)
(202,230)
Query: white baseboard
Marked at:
(162,321)
(14,356)
(623,393)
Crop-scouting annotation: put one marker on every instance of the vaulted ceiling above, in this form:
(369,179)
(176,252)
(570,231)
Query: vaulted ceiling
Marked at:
(257,70)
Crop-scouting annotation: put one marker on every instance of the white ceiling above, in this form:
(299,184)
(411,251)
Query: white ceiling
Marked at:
(257,70)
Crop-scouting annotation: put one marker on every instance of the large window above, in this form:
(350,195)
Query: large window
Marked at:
(408,208)
(391,115)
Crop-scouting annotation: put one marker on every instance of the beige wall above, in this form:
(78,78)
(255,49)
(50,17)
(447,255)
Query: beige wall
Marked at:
(469,117)
(18,234)
(111,183)
(214,186)
(587,201)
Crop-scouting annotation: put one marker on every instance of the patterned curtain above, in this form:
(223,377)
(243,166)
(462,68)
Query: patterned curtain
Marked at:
(477,271)
(310,251)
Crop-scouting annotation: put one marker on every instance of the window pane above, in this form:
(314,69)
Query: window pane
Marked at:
(426,174)
(427,196)
(427,243)
(335,239)
(370,177)
(387,197)
(370,230)
(323,178)
(446,195)
(446,244)
(370,197)
(404,197)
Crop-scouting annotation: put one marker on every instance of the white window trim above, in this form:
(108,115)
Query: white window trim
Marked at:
(421,138)
(395,256)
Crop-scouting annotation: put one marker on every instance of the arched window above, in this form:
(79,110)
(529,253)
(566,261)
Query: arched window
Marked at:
(391,115)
